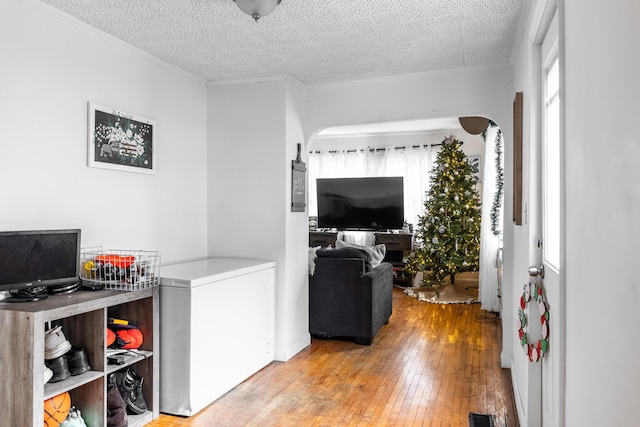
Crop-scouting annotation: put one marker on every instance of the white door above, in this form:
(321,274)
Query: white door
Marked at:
(549,247)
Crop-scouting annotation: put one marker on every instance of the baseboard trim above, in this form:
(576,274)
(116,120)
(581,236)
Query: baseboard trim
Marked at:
(297,347)
(520,411)
(505,362)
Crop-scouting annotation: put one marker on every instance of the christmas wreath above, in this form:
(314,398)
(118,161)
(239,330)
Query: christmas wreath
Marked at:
(537,351)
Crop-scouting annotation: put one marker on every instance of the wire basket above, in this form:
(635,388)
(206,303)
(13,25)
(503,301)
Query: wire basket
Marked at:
(119,270)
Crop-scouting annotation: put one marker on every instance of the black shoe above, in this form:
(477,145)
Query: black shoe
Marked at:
(60,368)
(130,386)
(77,360)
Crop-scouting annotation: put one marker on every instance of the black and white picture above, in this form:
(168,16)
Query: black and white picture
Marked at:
(120,141)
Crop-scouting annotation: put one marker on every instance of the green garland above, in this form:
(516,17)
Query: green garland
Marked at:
(497,197)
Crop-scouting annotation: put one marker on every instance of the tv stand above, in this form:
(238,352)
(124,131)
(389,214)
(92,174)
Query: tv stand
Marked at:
(323,238)
(399,246)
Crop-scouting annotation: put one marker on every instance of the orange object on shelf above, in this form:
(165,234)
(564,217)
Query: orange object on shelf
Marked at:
(121,261)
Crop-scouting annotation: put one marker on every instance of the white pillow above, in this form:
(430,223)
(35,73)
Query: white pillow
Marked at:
(376,252)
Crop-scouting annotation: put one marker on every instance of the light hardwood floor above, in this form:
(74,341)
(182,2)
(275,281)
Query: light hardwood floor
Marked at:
(431,365)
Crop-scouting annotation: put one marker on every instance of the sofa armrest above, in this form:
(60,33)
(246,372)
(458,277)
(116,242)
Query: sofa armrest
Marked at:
(379,299)
(383,269)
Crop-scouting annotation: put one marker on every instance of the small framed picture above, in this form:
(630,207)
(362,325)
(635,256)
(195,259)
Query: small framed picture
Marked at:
(298,184)
(120,141)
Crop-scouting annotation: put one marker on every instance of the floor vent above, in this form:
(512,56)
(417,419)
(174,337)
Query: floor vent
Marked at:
(480,420)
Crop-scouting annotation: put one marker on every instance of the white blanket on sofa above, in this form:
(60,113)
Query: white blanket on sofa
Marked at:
(312,260)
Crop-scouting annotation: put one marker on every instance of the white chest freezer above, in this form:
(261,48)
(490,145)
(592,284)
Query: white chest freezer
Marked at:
(217,328)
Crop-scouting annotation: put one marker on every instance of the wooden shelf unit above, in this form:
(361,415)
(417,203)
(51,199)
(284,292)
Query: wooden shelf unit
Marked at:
(83,317)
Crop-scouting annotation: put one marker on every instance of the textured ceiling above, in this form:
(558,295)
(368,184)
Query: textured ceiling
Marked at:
(313,41)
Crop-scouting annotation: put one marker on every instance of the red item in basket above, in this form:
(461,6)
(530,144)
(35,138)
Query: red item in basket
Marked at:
(120,261)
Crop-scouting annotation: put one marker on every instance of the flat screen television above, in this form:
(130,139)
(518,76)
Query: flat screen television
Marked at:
(38,258)
(373,203)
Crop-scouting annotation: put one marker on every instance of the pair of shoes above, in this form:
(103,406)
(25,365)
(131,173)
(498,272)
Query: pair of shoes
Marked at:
(74,419)
(60,368)
(129,385)
(74,362)
(48,374)
(77,360)
(55,343)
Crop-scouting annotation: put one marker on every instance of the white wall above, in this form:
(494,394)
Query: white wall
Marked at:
(434,95)
(296,297)
(602,210)
(254,129)
(51,67)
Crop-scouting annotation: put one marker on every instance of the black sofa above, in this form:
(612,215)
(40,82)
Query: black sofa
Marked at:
(347,297)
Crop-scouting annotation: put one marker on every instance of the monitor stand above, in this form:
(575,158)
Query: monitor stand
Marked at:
(27,295)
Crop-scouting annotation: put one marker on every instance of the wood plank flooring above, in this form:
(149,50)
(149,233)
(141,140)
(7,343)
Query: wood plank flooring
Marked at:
(431,365)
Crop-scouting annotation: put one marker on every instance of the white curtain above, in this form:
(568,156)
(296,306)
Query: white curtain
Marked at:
(488,292)
(412,163)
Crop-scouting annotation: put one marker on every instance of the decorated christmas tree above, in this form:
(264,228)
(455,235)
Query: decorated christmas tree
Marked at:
(448,234)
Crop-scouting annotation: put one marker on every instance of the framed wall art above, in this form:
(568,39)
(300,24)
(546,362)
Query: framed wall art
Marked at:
(298,184)
(517,159)
(120,141)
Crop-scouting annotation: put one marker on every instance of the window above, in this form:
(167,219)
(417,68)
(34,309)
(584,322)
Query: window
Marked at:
(551,198)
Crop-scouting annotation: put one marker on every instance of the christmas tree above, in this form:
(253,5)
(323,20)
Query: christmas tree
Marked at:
(448,234)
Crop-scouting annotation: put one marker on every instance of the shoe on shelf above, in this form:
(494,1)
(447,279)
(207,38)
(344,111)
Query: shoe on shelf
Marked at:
(55,343)
(74,419)
(130,387)
(48,374)
(59,367)
(77,361)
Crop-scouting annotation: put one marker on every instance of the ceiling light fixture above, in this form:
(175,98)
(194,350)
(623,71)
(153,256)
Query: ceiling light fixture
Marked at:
(257,8)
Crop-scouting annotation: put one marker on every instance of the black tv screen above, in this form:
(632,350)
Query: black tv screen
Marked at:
(39,258)
(360,203)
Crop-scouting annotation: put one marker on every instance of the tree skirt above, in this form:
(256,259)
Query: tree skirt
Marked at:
(463,291)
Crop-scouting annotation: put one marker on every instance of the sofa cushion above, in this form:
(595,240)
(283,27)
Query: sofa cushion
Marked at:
(346,253)
(376,253)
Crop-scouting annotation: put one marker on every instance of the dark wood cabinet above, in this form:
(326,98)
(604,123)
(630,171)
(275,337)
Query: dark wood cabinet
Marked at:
(399,247)
(322,239)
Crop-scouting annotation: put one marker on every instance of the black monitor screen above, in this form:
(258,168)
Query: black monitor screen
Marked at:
(372,203)
(38,258)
